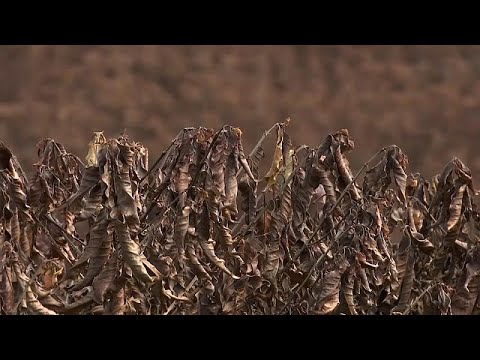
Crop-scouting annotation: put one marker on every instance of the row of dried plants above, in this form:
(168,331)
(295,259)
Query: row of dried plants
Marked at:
(203,232)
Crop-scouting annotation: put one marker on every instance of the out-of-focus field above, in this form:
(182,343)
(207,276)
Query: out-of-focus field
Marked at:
(423,98)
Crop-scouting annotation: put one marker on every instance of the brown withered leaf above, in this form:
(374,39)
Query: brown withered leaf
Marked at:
(272,262)
(376,179)
(327,181)
(19,238)
(402,256)
(35,307)
(53,269)
(208,248)
(97,251)
(463,173)
(5,158)
(105,279)
(7,296)
(9,164)
(216,161)
(180,173)
(250,167)
(116,305)
(282,216)
(131,252)
(304,193)
(94,147)
(254,160)
(248,192)
(407,284)
(463,301)
(231,187)
(90,178)
(472,269)
(342,143)
(181,228)
(207,243)
(125,202)
(455,208)
(444,301)
(93,203)
(197,267)
(328,298)
(17,193)
(277,161)
(424,244)
(397,161)
(468,285)
(347,290)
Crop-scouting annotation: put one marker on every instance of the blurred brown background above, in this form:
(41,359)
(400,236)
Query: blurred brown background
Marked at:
(426,99)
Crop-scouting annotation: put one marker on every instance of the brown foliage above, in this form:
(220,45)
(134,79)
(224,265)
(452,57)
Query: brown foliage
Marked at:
(174,239)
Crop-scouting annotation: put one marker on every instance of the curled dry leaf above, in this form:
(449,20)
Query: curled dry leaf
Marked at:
(131,252)
(328,298)
(455,208)
(347,290)
(97,251)
(7,295)
(94,147)
(181,228)
(397,162)
(209,250)
(105,279)
(278,160)
(34,306)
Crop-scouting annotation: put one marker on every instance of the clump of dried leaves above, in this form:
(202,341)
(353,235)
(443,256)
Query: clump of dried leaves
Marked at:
(202,232)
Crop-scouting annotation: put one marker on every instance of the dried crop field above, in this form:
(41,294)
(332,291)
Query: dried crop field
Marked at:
(202,229)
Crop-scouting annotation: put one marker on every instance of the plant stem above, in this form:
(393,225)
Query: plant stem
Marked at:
(410,307)
(259,143)
(161,157)
(174,302)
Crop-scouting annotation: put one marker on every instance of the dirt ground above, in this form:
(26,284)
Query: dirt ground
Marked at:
(425,99)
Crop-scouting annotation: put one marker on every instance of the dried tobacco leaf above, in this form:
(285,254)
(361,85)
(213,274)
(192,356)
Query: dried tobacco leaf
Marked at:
(181,228)
(468,285)
(397,161)
(347,290)
(105,279)
(94,147)
(7,295)
(97,251)
(342,143)
(328,299)
(455,208)
(131,252)
(278,160)
(35,306)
